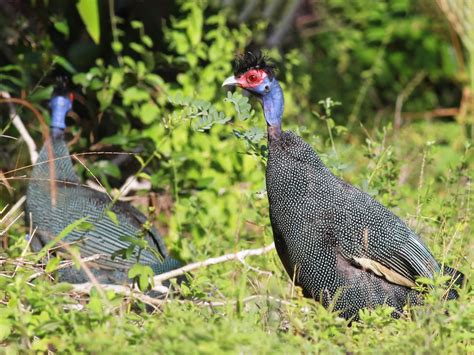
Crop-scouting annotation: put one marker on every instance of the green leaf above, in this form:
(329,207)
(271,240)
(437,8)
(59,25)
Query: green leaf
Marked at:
(105,98)
(11,67)
(144,274)
(116,79)
(140,160)
(331,123)
(41,94)
(135,270)
(425,281)
(117,47)
(89,12)
(108,168)
(95,306)
(11,78)
(147,41)
(134,94)
(149,112)
(137,47)
(136,24)
(52,265)
(195,24)
(63,62)
(113,216)
(62,27)
(5,328)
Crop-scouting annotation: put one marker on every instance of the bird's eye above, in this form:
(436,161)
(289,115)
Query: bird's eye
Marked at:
(252,78)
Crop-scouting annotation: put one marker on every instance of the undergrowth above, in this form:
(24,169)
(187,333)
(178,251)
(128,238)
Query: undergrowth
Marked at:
(202,153)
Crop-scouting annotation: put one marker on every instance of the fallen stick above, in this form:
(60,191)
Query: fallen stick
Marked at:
(212,261)
(131,290)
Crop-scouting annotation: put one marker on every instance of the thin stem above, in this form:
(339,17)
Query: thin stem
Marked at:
(331,137)
(113,24)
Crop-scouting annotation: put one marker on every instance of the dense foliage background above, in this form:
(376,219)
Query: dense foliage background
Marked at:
(381,89)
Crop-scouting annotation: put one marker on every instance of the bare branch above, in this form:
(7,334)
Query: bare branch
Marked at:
(406,92)
(131,290)
(133,184)
(12,210)
(212,261)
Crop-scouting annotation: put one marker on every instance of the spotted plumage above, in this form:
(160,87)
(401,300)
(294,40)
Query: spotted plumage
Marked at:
(322,225)
(338,243)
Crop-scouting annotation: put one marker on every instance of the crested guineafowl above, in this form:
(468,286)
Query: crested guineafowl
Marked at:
(113,223)
(341,246)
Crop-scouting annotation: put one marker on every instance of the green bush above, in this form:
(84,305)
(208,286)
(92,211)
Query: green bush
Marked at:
(203,151)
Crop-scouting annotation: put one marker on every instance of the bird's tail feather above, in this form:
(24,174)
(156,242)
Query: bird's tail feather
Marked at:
(166,265)
(457,279)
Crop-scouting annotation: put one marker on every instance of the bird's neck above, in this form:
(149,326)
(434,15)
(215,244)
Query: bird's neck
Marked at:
(59,108)
(273,105)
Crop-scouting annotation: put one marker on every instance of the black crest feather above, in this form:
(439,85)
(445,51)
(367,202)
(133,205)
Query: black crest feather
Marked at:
(62,86)
(254,60)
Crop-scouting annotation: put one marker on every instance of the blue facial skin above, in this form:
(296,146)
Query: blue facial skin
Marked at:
(60,106)
(271,96)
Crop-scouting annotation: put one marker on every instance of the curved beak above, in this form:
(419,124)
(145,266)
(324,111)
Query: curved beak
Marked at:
(230,81)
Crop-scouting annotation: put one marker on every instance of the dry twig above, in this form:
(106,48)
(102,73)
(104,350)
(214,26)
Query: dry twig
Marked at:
(212,261)
(131,290)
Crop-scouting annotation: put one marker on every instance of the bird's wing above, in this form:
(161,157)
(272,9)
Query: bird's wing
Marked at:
(138,219)
(76,202)
(371,236)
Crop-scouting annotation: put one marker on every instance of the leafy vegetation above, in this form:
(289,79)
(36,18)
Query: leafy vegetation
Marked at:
(157,93)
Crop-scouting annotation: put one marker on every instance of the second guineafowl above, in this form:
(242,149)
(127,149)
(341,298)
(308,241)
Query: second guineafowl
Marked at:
(338,243)
(111,220)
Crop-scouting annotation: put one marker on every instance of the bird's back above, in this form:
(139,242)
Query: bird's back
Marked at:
(110,221)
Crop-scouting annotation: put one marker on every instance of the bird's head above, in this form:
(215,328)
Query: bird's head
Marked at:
(61,103)
(252,72)
(256,74)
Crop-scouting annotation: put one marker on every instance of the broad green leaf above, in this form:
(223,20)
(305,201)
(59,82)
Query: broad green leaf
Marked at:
(135,270)
(89,12)
(63,62)
(144,274)
(149,112)
(105,98)
(41,94)
(134,94)
(116,79)
(5,328)
(95,305)
(62,27)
